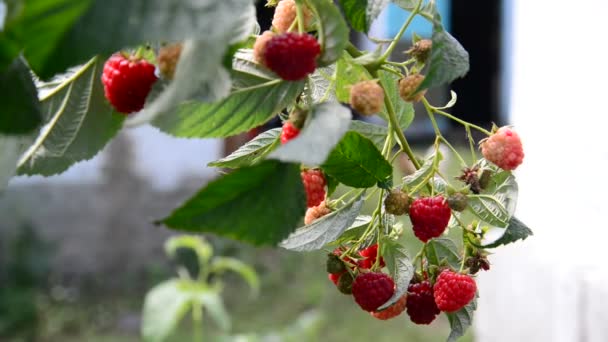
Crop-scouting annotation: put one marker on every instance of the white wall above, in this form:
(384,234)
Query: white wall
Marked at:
(553,287)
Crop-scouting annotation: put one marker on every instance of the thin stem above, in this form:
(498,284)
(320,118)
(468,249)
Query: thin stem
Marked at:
(402,30)
(197,322)
(471,144)
(300,16)
(464,254)
(462,122)
(447,143)
(258,86)
(391,70)
(353,51)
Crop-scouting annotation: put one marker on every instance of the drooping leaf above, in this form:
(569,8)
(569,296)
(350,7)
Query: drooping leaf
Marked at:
(164,307)
(198,245)
(21,112)
(330,120)
(322,88)
(440,250)
(355,231)
(461,320)
(221,264)
(362,13)
(79,122)
(403,110)
(448,61)
(269,199)
(400,268)
(347,74)
(333,31)
(324,230)
(356,162)
(516,230)
(110,25)
(252,152)
(258,96)
(377,134)
(214,306)
(489,209)
(424,173)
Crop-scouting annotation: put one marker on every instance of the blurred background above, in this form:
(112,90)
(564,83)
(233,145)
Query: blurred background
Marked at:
(78,251)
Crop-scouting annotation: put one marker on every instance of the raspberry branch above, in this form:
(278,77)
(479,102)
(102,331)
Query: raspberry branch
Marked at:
(402,30)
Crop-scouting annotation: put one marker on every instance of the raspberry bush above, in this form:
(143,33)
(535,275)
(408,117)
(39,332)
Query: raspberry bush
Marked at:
(219,76)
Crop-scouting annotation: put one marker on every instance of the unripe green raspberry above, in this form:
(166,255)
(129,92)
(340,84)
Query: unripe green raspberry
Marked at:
(335,264)
(458,201)
(397,202)
(345,283)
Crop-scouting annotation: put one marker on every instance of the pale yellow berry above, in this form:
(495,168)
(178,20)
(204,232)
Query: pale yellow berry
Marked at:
(408,86)
(367,97)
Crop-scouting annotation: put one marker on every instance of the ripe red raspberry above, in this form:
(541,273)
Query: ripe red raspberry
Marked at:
(291,55)
(289,132)
(392,311)
(127,81)
(334,277)
(453,291)
(314,184)
(408,86)
(370,254)
(430,216)
(421,305)
(259,47)
(371,290)
(168,56)
(367,97)
(504,149)
(285,14)
(316,213)
(397,202)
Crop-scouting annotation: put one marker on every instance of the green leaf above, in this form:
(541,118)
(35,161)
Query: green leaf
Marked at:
(356,162)
(323,231)
(403,110)
(400,268)
(213,304)
(443,250)
(260,204)
(221,264)
(164,307)
(424,173)
(361,13)
(489,209)
(503,186)
(198,245)
(322,89)
(10,150)
(347,74)
(330,120)
(333,31)
(21,111)
(449,60)
(332,185)
(110,25)
(255,102)
(461,320)
(78,123)
(516,230)
(377,134)
(355,231)
(252,152)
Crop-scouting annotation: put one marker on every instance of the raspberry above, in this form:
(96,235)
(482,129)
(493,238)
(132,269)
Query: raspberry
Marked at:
(334,277)
(372,290)
(421,50)
(350,262)
(470,175)
(168,56)
(458,201)
(453,291)
(127,82)
(370,254)
(292,56)
(421,305)
(289,132)
(397,202)
(314,184)
(392,311)
(430,216)
(316,213)
(285,14)
(259,47)
(334,264)
(504,149)
(408,86)
(367,97)
(345,283)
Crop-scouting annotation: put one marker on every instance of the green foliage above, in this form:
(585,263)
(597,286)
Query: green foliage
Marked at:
(348,73)
(516,230)
(21,110)
(333,31)
(404,111)
(356,162)
(400,268)
(461,320)
(252,192)
(251,152)
(443,251)
(361,13)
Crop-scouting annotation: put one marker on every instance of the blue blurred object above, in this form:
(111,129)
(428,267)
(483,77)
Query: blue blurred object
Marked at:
(396,16)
